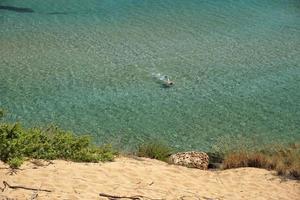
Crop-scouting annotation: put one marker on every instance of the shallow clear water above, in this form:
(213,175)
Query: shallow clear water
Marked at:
(88,66)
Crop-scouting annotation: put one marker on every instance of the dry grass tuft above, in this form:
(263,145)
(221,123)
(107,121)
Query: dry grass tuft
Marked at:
(244,159)
(284,159)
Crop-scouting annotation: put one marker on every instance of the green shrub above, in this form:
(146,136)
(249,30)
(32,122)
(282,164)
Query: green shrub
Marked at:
(17,143)
(106,153)
(154,150)
(10,145)
(15,162)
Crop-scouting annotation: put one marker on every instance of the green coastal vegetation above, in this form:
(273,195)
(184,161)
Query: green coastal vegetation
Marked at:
(18,144)
(283,158)
(155,150)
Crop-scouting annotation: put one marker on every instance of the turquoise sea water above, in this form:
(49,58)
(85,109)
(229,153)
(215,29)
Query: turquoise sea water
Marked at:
(88,66)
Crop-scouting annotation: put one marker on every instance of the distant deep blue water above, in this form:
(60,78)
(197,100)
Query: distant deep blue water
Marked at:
(88,66)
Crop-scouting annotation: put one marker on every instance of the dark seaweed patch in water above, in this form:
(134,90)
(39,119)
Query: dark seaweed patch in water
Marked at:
(58,13)
(17,9)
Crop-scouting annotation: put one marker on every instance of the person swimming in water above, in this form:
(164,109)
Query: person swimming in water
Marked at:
(163,79)
(168,82)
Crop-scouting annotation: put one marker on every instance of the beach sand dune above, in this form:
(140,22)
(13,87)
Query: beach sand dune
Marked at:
(146,177)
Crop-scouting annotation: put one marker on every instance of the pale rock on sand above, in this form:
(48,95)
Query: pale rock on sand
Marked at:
(191,159)
(146,177)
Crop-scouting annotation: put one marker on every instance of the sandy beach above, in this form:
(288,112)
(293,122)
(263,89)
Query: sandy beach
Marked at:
(140,176)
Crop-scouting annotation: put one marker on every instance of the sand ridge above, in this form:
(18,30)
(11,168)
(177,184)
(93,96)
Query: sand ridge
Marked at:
(147,177)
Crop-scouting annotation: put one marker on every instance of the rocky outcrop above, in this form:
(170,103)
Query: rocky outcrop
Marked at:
(191,159)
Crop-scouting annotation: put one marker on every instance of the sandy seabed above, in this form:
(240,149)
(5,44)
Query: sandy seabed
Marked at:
(146,177)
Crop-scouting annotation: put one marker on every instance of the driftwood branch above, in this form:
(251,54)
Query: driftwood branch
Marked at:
(21,187)
(136,197)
